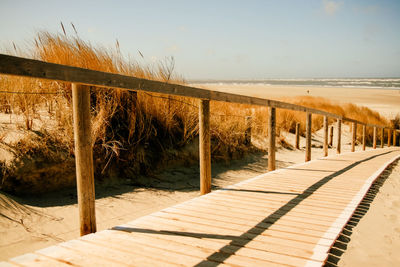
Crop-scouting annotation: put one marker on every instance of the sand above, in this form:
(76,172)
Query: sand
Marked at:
(28,224)
(385,101)
(376,239)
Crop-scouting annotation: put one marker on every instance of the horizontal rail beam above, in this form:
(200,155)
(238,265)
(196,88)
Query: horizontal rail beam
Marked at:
(18,66)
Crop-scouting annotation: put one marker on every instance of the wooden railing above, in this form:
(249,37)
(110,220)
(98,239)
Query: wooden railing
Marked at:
(81,78)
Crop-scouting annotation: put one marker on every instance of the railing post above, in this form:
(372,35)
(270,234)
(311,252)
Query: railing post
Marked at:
(339,136)
(382,136)
(297,141)
(84,158)
(325,136)
(308,136)
(354,136)
(389,137)
(331,136)
(247,133)
(394,137)
(271,138)
(205,146)
(363,137)
(374,138)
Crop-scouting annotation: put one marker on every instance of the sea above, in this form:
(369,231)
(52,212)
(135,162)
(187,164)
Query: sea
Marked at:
(372,83)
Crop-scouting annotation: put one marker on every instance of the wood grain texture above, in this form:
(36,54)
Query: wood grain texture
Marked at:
(18,66)
(374,139)
(84,158)
(297,134)
(325,145)
(271,138)
(353,136)
(363,136)
(339,136)
(205,147)
(308,136)
(289,217)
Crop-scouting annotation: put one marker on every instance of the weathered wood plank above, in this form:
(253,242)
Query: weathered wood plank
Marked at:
(363,137)
(205,147)
(325,145)
(308,136)
(354,136)
(339,136)
(274,219)
(32,259)
(12,65)
(271,138)
(297,134)
(84,158)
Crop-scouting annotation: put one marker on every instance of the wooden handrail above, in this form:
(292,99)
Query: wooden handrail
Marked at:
(11,65)
(18,66)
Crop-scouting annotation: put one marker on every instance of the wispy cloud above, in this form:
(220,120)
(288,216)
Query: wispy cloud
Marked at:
(331,7)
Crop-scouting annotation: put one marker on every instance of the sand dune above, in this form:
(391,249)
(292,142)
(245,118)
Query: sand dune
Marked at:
(385,101)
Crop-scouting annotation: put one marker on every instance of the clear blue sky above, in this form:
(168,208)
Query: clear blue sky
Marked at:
(229,39)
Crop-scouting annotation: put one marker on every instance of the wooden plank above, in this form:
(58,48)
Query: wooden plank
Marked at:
(354,136)
(75,257)
(389,137)
(339,136)
(228,235)
(325,145)
(116,256)
(170,241)
(297,134)
(271,138)
(363,137)
(205,147)
(240,202)
(273,220)
(12,65)
(32,259)
(233,218)
(84,158)
(382,136)
(244,214)
(331,136)
(374,139)
(308,136)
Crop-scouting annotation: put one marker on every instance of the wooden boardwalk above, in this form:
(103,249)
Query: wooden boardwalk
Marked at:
(288,217)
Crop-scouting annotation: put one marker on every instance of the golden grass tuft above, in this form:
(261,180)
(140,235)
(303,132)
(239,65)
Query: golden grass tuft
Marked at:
(134,132)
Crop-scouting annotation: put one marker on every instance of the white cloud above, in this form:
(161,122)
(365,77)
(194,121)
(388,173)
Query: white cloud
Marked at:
(331,7)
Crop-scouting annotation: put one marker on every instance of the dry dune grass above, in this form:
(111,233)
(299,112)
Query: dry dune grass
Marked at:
(134,132)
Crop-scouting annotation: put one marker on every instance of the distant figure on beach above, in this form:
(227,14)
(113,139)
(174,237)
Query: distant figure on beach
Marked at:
(308,91)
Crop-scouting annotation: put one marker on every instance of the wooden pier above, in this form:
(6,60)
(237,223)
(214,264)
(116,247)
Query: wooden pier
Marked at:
(288,217)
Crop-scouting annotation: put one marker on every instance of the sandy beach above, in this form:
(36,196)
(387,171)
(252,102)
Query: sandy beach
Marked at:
(385,101)
(31,223)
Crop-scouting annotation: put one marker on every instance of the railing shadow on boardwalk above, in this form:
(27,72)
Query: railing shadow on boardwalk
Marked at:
(239,241)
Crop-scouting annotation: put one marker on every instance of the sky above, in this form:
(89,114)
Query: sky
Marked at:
(222,39)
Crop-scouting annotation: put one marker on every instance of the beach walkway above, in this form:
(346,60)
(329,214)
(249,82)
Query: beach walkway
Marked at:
(288,217)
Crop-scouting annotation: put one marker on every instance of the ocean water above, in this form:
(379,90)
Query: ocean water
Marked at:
(378,83)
